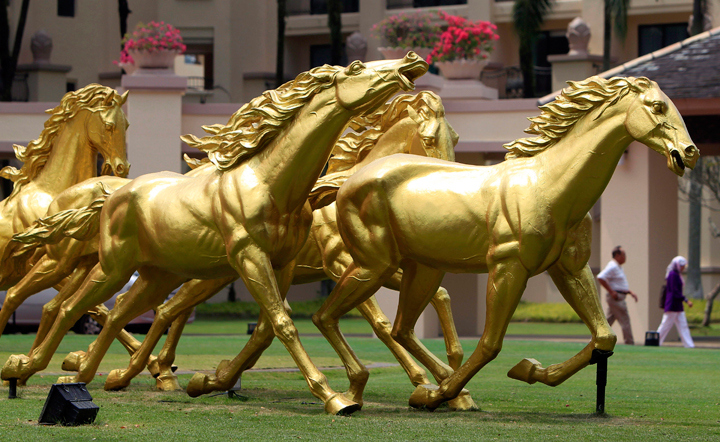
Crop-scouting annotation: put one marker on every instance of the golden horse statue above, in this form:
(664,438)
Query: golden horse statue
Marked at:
(512,220)
(250,217)
(86,122)
(410,124)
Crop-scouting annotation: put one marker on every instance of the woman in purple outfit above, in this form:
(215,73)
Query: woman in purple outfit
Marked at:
(674,298)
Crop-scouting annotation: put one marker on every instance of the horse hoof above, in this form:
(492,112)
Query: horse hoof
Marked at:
(66,380)
(222,366)
(463,402)
(72,361)
(167,382)
(197,385)
(340,405)
(426,396)
(525,370)
(16,367)
(115,381)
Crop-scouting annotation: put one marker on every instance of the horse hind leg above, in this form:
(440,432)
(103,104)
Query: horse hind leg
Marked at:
(506,282)
(148,291)
(97,288)
(40,277)
(173,311)
(370,309)
(580,292)
(356,285)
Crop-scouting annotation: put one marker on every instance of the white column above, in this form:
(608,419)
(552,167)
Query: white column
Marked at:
(154,110)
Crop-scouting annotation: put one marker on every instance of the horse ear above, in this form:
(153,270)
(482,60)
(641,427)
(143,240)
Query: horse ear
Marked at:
(109,99)
(414,115)
(123,97)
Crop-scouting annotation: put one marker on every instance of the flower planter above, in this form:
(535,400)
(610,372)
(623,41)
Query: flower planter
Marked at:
(396,53)
(461,69)
(129,68)
(154,60)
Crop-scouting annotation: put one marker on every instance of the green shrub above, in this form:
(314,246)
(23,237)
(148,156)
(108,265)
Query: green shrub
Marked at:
(545,312)
(251,310)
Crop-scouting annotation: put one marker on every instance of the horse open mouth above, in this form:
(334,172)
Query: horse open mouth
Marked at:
(411,72)
(678,161)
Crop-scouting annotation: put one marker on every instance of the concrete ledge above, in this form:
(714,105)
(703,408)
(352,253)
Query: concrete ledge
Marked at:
(151,80)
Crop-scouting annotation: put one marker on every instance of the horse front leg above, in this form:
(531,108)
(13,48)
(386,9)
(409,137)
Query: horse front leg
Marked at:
(580,292)
(506,282)
(254,266)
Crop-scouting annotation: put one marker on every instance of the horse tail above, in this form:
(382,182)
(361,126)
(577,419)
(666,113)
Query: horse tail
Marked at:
(81,224)
(325,190)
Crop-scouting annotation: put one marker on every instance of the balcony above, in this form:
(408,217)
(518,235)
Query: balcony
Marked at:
(313,7)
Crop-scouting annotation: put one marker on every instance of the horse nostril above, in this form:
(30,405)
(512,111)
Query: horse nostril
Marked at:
(690,150)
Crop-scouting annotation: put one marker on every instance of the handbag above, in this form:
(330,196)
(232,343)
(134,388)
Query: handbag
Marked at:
(663,294)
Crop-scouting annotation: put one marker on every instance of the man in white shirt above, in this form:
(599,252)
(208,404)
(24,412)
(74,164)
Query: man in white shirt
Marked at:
(613,279)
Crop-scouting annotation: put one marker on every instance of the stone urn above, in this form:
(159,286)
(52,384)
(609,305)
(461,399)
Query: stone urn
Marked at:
(462,69)
(396,53)
(154,60)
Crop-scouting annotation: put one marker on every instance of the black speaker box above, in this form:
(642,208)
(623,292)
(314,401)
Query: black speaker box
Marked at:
(68,404)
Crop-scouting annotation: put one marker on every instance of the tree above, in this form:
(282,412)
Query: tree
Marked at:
(8,59)
(335,25)
(280,56)
(706,177)
(528,17)
(123,11)
(693,285)
(615,14)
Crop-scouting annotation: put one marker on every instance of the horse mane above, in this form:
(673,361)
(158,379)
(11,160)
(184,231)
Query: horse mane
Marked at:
(257,123)
(561,114)
(92,97)
(355,146)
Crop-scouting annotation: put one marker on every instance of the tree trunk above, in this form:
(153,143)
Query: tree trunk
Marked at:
(527,67)
(123,11)
(693,285)
(280,57)
(335,25)
(8,60)
(708,307)
(698,16)
(607,36)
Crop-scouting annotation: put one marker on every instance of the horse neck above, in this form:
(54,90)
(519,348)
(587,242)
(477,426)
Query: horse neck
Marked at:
(398,138)
(579,167)
(292,163)
(71,160)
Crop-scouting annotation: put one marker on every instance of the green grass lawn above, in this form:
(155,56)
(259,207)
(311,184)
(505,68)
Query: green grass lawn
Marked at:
(659,393)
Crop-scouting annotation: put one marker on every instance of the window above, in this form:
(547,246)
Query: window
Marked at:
(320,55)
(654,37)
(66,8)
(548,43)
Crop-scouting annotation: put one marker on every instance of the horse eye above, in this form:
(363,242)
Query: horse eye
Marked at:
(109,126)
(658,108)
(428,141)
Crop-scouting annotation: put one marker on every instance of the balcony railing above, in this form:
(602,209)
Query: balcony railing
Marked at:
(306,7)
(402,4)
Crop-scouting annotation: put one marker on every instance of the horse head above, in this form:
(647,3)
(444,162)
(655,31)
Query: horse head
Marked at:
(365,86)
(653,120)
(435,138)
(106,128)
